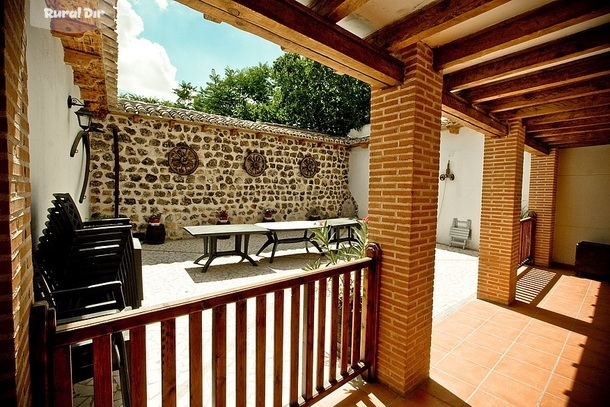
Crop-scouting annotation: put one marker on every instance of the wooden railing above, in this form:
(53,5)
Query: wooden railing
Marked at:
(526,243)
(290,341)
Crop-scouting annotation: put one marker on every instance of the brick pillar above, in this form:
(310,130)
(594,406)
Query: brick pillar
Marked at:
(15,241)
(404,162)
(500,210)
(542,200)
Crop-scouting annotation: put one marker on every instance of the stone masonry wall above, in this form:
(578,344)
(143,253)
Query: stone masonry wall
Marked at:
(148,185)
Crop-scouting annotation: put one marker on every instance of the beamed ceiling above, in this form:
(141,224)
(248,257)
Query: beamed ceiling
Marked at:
(546,62)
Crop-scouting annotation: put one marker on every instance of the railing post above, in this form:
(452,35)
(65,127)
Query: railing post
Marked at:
(372,293)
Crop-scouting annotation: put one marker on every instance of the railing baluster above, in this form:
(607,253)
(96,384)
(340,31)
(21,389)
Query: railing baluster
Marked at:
(345,322)
(137,366)
(195,359)
(321,334)
(241,332)
(278,348)
(295,305)
(356,317)
(334,327)
(168,362)
(308,341)
(261,348)
(102,370)
(219,350)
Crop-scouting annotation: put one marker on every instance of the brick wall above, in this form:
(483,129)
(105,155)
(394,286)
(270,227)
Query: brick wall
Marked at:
(542,200)
(148,185)
(500,210)
(15,240)
(404,162)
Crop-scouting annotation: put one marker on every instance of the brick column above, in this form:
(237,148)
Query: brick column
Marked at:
(404,162)
(500,210)
(542,200)
(15,241)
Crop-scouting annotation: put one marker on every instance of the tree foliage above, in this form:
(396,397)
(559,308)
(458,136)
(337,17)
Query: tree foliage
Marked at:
(294,90)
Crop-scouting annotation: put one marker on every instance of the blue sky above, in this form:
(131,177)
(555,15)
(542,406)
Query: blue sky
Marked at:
(162,43)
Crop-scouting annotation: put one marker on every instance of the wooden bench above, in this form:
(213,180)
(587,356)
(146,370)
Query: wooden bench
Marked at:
(460,232)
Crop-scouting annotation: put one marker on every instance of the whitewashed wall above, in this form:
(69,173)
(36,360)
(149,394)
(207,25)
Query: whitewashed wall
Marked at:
(52,126)
(583,198)
(460,198)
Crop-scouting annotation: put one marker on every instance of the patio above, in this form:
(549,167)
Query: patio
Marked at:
(549,348)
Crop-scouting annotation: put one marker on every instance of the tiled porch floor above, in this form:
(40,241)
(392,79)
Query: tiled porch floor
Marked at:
(551,348)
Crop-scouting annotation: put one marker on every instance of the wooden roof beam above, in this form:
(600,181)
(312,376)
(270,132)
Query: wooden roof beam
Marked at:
(579,113)
(567,125)
(336,10)
(547,19)
(576,71)
(553,94)
(558,134)
(464,114)
(429,20)
(537,145)
(298,29)
(600,99)
(583,43)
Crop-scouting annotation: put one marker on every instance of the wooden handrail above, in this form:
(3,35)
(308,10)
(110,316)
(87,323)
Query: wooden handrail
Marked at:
(310,323)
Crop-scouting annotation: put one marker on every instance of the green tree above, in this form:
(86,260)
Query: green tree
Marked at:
(186,93)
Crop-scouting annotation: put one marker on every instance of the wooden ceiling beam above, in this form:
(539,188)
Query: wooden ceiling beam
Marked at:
(464,114)
(600,99)
(429,20)
(583,43)
(336,10)
(557,134)
(576,114)
(553,94)
(569,124)
(298,29)
(576,71)
(537,145)
(581,141)
(544,20)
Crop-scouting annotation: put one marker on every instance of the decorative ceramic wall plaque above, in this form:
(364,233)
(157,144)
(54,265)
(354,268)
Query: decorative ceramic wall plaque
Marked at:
(183,159)
(309,167)
(255,164)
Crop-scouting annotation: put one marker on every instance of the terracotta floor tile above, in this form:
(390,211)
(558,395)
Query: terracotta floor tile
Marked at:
(559,386)
(476,353)
(523,372)
(546,345)
(501,331)
(452,384)
(419,398)
(484,399)
(479,309)
(510,390)
(444,340)
(490,341)
(510,319)
(548,400)
(532,356)
(436,355)
(547,330)
(465,370)
(456,329)
(446,395)
(468,320)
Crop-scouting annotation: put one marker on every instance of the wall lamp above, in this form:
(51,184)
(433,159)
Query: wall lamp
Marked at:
(84,115)
(447,175)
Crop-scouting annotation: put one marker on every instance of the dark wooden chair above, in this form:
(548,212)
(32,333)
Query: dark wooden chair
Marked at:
(70,305)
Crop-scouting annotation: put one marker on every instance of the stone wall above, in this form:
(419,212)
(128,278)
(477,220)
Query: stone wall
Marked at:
(148,185)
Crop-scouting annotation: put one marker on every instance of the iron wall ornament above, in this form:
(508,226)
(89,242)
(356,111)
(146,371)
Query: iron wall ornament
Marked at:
(309,167)
(255,164)
(183,159)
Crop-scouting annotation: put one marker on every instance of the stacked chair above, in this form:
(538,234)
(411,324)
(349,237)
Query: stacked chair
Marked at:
(84,270)
(72,253)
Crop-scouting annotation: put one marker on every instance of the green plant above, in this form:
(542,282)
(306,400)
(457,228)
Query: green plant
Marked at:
(323,237)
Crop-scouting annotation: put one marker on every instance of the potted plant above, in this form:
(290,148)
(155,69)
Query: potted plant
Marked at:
(155,218)
(314,213)
(268,215)
(223,216)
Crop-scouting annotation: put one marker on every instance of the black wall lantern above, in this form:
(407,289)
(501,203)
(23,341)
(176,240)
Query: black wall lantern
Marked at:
(447,175)
(84,115)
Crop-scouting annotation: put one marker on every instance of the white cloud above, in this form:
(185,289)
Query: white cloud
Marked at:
(144,66)
(162,4)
